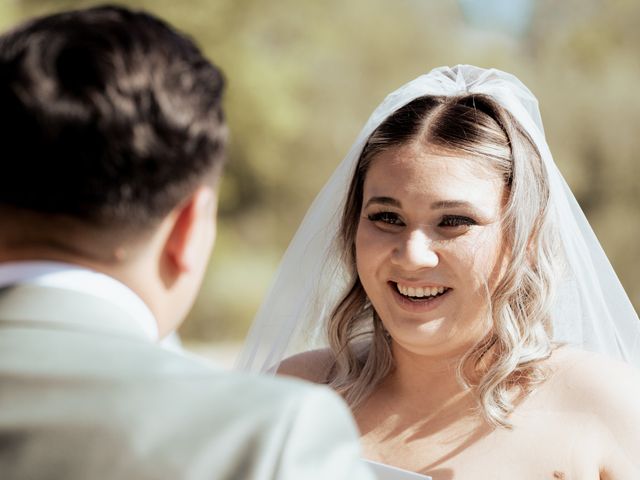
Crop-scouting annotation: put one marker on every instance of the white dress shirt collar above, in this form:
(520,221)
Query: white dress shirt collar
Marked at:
(82,280)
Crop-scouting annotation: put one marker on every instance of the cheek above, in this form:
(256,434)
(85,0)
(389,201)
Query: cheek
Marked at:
(486,259)
(369,251)
(363,254)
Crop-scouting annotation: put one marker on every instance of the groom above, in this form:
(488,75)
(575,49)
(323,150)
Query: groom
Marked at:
(113,140)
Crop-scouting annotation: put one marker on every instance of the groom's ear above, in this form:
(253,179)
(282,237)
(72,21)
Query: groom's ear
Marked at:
(192,233)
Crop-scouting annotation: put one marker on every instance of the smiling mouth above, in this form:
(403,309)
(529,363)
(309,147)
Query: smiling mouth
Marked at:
(419,294)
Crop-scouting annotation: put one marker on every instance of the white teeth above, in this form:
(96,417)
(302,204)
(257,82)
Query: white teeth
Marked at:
(419,292)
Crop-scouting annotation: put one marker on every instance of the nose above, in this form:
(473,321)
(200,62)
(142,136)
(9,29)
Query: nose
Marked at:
(415,251)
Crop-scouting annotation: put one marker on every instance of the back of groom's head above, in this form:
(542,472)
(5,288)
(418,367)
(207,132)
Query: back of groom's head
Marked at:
(112,138)
(109,117)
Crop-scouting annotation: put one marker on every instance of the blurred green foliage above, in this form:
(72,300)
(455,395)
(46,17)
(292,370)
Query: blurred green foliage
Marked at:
(304,76)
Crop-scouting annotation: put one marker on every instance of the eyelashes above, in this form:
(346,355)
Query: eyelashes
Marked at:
(456,221)
(447,221)
(389,218)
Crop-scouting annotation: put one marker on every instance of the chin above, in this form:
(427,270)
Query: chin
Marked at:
(412,330)
(430,336)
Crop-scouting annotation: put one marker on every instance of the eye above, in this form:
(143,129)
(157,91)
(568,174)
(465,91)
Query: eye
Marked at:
(388,218)
(453,221)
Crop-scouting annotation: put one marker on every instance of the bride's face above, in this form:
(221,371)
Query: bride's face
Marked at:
(429,246)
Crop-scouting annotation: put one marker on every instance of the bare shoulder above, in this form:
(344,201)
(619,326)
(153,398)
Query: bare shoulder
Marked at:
(595,380)
(314,365)
(605,393)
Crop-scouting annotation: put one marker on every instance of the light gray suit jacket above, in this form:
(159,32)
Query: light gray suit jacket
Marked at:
(84,396)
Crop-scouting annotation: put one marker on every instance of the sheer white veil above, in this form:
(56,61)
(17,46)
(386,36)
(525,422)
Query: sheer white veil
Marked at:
(591,311)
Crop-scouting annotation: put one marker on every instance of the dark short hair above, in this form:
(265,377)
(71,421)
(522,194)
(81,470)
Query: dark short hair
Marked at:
(107,116)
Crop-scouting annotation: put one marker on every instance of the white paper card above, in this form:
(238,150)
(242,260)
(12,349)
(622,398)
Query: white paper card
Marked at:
(387,472)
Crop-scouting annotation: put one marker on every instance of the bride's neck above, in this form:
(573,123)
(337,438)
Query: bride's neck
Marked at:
(423,393)
(417,375)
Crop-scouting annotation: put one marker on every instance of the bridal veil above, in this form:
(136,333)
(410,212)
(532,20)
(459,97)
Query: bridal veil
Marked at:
(591,310)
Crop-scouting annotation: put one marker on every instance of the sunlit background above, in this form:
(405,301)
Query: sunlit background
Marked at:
(303,76)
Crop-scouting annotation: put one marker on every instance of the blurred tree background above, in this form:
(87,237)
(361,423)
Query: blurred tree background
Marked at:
(303,78)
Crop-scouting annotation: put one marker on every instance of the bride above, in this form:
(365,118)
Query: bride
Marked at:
(447,284)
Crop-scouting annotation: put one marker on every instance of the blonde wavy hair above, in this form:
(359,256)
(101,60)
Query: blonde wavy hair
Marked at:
(509,358)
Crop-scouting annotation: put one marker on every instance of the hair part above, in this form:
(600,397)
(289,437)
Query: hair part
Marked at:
(505,365)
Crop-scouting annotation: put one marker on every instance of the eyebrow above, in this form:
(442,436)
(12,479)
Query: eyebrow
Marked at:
(442,204)
(392,202)
(450,204)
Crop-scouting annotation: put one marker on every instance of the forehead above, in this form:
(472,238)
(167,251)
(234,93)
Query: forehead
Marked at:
(410,170)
